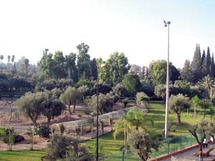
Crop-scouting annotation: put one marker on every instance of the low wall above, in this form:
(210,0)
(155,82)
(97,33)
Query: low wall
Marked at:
(165,156)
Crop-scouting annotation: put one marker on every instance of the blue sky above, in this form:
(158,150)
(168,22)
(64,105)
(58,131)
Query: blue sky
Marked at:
(134,27)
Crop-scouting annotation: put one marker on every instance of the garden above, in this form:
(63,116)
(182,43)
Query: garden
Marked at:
(111,148)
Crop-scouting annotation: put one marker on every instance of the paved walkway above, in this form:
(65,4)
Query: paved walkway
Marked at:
(188,154)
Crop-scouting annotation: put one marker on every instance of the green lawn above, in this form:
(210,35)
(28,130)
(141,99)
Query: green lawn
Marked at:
(21,155)
(112,147)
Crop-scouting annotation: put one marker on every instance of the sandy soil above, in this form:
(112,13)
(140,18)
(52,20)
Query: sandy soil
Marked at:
(9,116)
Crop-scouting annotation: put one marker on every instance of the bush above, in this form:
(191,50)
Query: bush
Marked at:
(43,131)
(10,137)
(18,138)
(65,149)
(2,132)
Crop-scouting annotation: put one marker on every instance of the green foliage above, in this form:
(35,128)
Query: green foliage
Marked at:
(115,68)
(52,106)
(30,105)
(158,71)
(10,137)
(66,149)
(71,96)
(186,73)
(142,143)
(131,83)
(196,67)
(105,103)
(207,83)
(141,96)
(177,104)
(43,131)
(125,102)
(62,129)
(2,132)
(160,91)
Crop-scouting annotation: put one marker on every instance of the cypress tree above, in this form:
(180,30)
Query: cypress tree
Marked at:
(196,65)
(186,73)
(212,67)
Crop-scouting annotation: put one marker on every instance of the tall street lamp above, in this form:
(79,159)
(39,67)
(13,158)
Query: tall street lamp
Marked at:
(97,115)
(166,24)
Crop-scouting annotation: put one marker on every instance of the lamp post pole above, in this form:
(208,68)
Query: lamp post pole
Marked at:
(97,116)
(166,24)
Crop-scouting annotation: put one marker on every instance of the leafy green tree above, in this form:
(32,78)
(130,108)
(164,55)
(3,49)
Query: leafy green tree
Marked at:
(186,72)
(195,103)
(201,130)
(177,104)
(115,68)
(136,118)
(65,149)
(142,143)
(205,104)
(105,103)
(131,83)
(71,66)
(141,96)
(147,86)
(157,71)
(160,91)
(30,105)
(71,96)
(46,65)
(174,73)
(59,65)
(58,147)
(83,61)
(52,106)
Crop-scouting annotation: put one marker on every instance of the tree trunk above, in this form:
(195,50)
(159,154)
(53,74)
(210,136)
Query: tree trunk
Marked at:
(125,140)
(74,107)
(178,118)
(48,121)
(209,150)
(194,111)
(70,112)
(142,157)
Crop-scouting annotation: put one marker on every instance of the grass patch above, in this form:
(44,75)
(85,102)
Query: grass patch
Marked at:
(26,155)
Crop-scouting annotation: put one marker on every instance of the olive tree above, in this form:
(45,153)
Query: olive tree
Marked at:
(66,149)
(30,105)
(201,130)
(177,104)
(71,96)
(142,143)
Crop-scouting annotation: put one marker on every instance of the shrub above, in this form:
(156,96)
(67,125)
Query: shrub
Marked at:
(18,138)
(43,131)
(2,132)
(10,137)
(65,149)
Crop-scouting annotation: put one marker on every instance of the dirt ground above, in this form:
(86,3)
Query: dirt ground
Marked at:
(10,117)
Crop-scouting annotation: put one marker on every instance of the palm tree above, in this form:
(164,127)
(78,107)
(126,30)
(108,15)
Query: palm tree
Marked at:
(136,118)
(207,83)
